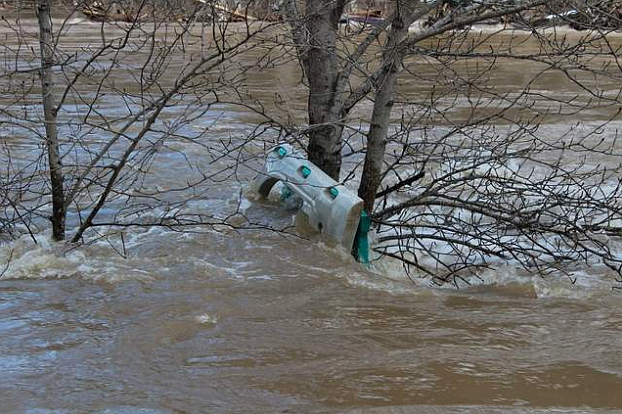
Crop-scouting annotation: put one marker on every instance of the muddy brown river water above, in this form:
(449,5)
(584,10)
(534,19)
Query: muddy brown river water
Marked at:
(261,322)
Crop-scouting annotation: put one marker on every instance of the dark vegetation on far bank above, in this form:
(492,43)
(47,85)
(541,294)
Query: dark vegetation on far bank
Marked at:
(577,14)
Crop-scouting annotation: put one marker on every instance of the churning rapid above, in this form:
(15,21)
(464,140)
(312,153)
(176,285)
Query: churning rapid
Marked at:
(259,321)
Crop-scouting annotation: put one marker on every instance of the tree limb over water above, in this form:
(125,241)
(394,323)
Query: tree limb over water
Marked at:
(470,146)
(525,172)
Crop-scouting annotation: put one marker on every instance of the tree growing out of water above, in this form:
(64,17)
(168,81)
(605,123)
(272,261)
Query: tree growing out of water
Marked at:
(472,147)
(52,145)
(83,122)
(469,148)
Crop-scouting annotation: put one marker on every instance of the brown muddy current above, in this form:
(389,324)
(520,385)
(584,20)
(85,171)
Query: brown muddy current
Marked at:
(261,322)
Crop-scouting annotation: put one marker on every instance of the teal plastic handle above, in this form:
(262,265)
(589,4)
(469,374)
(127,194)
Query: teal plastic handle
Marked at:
(361,240)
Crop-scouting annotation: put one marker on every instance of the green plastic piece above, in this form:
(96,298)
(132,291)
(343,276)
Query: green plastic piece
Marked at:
(280,151)
(286,193)
(333,192)
(361,240)
(306,171)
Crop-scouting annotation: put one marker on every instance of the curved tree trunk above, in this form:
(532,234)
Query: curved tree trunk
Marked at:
(383,103)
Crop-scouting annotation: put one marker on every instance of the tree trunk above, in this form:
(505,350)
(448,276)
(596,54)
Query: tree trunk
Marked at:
(51,133)
(383,103)
(322,70)
(324,147)
(377,138)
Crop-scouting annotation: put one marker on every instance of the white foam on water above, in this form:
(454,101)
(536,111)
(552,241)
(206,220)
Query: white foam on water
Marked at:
(388,274)
(219,270)
(379,282)
(206,319)
(579,284)
(23,259)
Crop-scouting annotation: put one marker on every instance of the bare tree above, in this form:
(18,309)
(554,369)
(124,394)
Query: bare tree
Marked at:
(458,174)
(44,17)
(110,108)
(463,192)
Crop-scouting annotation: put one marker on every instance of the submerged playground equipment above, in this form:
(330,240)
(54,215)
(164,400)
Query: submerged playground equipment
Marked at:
(331,208)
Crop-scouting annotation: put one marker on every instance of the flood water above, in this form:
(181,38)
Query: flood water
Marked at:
(258,321)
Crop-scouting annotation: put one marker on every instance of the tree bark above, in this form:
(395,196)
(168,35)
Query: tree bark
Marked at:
(46,42)
(322,70)
(383,103)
